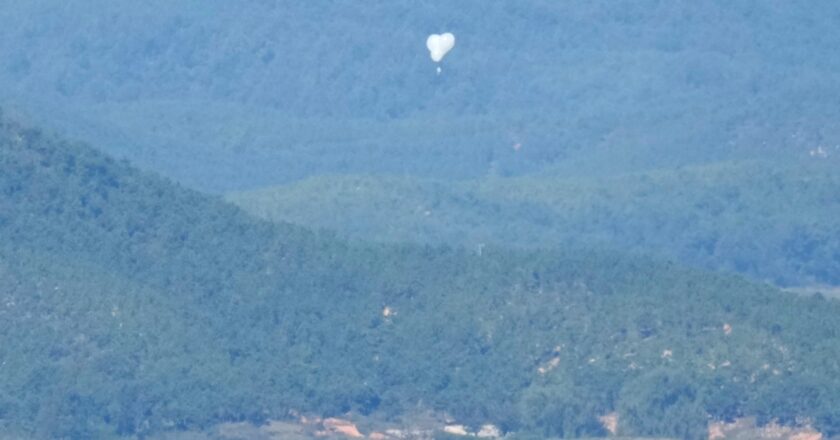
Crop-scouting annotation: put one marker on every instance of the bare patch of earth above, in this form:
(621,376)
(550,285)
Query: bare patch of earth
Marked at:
(435,427)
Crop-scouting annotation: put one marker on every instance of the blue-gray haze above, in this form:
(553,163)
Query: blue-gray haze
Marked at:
(233,95)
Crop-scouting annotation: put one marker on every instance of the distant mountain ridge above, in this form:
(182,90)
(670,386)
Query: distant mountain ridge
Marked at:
(229,98)
(132,306)
(766,220)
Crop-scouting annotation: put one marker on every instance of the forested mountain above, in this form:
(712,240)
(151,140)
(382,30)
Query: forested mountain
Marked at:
(728,106)
(774,222)
(581,214)
(225,97)
(133,306)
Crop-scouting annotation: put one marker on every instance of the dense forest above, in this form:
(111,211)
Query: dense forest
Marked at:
(225,97)
(280,208)
(772,221)
(703,132)
(132,306)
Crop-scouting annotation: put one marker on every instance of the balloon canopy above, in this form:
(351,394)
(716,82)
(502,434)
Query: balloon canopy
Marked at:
(439,45)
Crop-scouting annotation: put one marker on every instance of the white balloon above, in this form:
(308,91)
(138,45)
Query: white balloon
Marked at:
(440,45)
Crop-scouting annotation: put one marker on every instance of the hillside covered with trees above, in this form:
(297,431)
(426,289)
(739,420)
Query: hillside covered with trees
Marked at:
(770,221)
(705,132)
(133,306)
(229,97)
(282,208)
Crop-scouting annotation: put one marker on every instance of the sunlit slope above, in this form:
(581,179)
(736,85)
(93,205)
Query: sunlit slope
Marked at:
(132,306)
(773,222)
(226,98)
